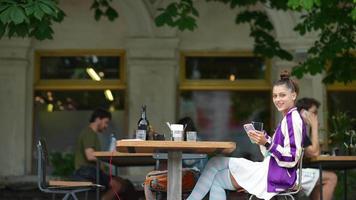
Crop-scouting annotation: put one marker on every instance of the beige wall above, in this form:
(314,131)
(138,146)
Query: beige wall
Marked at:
(152,63)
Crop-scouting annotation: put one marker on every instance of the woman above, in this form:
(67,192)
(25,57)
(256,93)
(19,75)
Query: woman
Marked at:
(278,170)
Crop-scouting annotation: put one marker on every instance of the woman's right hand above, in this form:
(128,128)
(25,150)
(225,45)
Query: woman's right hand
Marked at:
(257,136)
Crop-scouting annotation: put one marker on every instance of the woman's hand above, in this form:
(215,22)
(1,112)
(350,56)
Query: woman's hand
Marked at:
(257,136)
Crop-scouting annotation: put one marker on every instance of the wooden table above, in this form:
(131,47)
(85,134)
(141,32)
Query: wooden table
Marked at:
(332,163)
(175,150)
(119,159)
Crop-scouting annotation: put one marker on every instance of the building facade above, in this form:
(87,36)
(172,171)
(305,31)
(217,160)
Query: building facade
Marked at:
(153,62)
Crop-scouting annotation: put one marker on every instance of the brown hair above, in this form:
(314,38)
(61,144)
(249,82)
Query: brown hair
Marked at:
(289,83)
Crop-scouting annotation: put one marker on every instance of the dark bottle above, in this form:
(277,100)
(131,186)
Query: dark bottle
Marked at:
(143,123)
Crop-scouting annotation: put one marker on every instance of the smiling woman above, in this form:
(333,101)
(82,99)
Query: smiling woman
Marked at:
(278,170)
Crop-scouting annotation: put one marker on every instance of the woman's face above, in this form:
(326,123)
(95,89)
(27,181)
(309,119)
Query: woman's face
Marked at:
(283,98)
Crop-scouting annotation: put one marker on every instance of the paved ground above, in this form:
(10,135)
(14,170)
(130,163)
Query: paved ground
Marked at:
(35,194)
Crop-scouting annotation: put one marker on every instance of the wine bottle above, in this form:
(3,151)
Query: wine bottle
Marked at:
(143,124)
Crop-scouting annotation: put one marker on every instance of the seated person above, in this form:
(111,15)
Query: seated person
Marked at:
(277,172)
(310,181)
(85,161)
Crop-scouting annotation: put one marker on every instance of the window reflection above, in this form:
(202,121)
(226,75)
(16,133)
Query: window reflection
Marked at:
(339,101)
(220,115)
(224,68)
(79,100)
(70,114)
(75,67)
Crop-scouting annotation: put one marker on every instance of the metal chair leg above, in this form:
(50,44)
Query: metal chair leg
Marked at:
(74,196)
(66,196)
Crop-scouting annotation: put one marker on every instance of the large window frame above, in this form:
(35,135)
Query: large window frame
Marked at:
(64,84)
(118,84)
(256,85)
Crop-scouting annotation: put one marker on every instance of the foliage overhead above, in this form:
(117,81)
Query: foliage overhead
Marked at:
(29,18)
(333,20)
(103,8)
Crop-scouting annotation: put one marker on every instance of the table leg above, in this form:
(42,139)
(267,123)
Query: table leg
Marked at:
(97,179)
(321,181)
(345,185)
(174,190)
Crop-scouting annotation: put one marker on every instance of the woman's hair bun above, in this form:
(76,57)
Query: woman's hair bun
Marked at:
(284,75)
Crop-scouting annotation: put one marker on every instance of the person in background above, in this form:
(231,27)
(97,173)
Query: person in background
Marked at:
(308,108)
(278,170)
(85,162)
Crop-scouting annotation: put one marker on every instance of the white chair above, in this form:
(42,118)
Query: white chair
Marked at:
(292,191)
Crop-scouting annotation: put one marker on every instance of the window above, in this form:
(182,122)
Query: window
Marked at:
(69,85)
(338,100)
(222,91)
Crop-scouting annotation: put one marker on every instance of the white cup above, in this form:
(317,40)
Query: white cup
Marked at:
(191,136)
(177,132)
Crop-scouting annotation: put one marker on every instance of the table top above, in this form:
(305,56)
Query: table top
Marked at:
(332,162)
(126,159)
(323,158)
(151,146)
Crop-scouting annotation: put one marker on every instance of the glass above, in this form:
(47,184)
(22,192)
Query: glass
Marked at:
(224,68)
(220,115)
(191,136)
(258,126)
(75,67)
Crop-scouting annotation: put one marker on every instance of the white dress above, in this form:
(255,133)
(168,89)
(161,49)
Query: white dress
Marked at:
(252,176)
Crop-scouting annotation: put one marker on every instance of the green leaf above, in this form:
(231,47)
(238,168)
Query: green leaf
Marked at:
(163,19)
(104,3)
(98,14)
(94,5)
(22,30)
(195,12)
(187,23)
(46,9)
(307,4)
(294,4)
(111,14)
(172,9)
(38,12)
(4,7)
(29,9)
(2,29)
(17,14)
(12,30)
(43,31)
(353,14)
(60,16)
(5,16)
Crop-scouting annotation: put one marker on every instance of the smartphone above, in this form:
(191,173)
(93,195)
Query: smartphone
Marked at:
(249,127)
(304,114)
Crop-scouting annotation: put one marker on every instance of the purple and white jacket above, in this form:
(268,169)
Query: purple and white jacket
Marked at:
(285,150)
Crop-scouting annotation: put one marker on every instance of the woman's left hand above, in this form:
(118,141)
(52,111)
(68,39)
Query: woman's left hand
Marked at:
(258,137)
